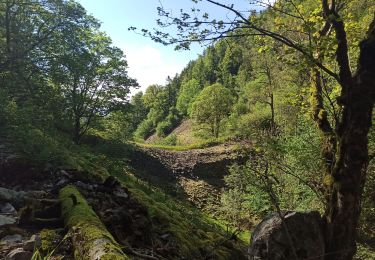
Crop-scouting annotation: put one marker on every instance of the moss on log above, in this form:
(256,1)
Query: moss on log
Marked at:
(91,239)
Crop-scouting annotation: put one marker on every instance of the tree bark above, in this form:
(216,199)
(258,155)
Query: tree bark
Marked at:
(351,160)
(320,116)
(271,103)
(7,28)
(77,129)
(272,107)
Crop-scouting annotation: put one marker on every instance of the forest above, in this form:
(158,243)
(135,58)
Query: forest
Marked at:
(261,148)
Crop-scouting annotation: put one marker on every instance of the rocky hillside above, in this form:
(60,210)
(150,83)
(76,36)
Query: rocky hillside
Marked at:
(197,173)
(183,132)
(198,163)
(74,214)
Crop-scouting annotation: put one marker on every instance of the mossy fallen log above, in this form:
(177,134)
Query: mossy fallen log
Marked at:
(91,240)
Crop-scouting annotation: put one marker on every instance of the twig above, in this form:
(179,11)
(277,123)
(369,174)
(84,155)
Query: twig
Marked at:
(130,250)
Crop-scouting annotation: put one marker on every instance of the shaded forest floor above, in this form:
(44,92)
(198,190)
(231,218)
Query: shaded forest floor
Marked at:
(145,220)
(152,218)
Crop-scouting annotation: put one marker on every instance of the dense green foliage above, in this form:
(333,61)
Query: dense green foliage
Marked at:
(64,104)
(288,71)
(211,106)
(64,89)
(59,72)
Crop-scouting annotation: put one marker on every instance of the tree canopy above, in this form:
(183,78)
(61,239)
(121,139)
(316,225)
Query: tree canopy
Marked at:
(211,106)
(54,54)
(293,79)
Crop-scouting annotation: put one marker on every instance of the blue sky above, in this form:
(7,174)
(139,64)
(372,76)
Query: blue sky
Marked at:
(149,62)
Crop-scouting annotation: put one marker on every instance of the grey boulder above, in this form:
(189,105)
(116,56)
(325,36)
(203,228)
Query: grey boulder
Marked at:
(301,239)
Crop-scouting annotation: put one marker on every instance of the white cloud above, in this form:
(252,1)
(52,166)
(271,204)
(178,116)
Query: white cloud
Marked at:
(149,66)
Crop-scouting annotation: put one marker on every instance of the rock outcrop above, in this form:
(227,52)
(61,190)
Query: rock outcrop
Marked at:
(280,238)
(8,214)
(208,164)
(195,174)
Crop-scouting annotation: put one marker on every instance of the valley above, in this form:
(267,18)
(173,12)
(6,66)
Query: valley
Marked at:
(187,130)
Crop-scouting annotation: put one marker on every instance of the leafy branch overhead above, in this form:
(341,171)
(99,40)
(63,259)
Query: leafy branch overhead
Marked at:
(197,26)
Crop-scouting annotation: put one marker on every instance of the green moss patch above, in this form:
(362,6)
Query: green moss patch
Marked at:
(50,240)
(195,235)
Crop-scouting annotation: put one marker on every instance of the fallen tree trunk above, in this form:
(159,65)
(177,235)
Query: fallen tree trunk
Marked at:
(91,240)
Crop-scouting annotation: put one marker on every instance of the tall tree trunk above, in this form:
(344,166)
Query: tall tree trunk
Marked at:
(272,107)
(77,129)
(271,103)
(76,135)
(351,159)
(320,116)
(7,28)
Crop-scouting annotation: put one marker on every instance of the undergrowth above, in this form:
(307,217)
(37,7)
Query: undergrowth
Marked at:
(196,233)
(198,145)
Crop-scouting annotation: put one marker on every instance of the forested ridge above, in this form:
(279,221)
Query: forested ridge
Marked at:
(271,122)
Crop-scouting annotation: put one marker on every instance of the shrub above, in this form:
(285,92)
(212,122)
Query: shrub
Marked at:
(169,140)
(164,128)
(253,125)
(144,130)
(40,146)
